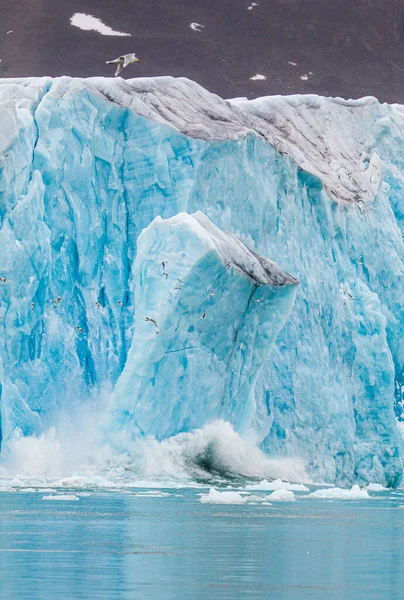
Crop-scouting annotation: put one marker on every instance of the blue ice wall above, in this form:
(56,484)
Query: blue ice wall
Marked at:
(81,176)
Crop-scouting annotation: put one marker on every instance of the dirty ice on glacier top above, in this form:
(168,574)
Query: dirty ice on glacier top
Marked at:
(327,142)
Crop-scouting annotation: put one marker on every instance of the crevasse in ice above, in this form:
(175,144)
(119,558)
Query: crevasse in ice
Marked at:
(314,184)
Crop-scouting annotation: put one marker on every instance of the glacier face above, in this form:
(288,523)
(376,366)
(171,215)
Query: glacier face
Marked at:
(315,184)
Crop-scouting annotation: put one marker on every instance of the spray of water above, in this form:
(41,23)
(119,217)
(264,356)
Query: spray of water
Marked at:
(61,457)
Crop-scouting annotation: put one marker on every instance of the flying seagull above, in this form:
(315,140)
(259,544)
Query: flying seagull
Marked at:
(122,62)
(151,321)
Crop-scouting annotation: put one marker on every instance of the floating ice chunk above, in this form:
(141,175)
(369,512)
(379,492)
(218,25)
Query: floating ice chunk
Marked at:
(376,487)
(355,493)
(151,494)
(304,77)
(90,23)
(258,77)
(29,490)
(252,5)
(278,484)
(66,497)
(216,497)
(281,496)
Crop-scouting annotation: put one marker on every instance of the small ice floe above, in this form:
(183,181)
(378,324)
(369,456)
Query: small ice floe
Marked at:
(281,496)
(266,504)
(66,497)
(28,490)
(252,5)
(90,23)
(196,26)
(376,487)
(292,63)
(11,31)
(216,497)
(258,77)
(151,494)
(278,484)
(304,77)
(355,493)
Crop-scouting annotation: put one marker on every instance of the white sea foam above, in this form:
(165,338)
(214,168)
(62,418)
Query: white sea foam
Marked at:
(78,459)
(90,23)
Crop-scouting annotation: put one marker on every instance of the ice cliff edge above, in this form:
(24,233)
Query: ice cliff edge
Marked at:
(315,184)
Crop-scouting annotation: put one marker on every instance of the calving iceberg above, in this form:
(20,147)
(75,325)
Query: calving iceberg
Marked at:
(101,181)
(207,313)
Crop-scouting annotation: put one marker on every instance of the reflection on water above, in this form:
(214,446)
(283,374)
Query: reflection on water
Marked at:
(125,546)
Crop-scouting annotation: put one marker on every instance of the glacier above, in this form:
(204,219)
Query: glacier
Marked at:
(103,180)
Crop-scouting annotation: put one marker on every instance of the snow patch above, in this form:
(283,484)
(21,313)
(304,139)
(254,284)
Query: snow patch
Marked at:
(90,23)
(258,77)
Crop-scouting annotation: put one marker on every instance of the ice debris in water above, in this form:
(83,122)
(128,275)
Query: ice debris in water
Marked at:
(355,493)
(277,484)
(66,497)
(87,164)
(216,497)
(376,487)
(281,495)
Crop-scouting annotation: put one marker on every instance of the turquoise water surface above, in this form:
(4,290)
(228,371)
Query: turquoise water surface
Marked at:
(129,546)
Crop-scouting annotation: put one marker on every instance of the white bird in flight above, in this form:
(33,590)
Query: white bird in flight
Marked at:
(122,62)
(196,26)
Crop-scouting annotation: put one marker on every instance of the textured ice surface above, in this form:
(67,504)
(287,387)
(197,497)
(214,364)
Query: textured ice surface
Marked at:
(314,184)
